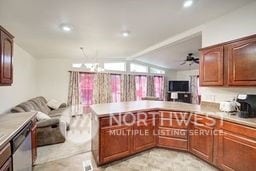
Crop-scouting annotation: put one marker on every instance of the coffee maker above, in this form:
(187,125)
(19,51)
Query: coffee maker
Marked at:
(247,105)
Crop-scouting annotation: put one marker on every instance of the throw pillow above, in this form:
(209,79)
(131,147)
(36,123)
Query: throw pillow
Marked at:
(54,104)
(40,116)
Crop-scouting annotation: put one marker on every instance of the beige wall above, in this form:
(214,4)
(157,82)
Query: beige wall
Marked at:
(24,85)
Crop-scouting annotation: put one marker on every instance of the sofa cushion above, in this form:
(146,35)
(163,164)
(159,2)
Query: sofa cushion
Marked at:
(28,106)
(41,103)
(54,104)
(17,109)
(57,113)
(49,122)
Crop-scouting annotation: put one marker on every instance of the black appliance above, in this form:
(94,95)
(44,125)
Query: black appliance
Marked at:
(247,105)
(182,86)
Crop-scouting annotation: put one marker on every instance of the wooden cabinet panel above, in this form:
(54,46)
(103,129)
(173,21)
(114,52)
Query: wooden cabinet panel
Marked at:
(173,123)
(6,53)
(241,62)
(7,166)
(201,141)
(212,66)
(236,152)
(34,143)
(173,143)
(144,137)
(173,132)
(5,153)
(116,142)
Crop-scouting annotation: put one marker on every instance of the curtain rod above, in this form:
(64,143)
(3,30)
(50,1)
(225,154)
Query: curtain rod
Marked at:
(118,73)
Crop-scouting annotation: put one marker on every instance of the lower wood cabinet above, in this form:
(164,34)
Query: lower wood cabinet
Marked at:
(201,141)
(5,158)
(237,148)
(234,150)
(116,142)
(144,137)
(7,166)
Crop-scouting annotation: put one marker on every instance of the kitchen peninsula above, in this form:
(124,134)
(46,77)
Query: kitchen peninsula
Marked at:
(238,138)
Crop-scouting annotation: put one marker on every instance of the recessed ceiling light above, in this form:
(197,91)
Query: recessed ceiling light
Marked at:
(126,34)
(66,27)
(187,3)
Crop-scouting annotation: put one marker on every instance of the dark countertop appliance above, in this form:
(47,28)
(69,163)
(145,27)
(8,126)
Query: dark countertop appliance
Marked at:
(247,106)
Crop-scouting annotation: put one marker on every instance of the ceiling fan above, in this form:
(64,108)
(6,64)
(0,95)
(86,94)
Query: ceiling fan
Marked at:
(192,59)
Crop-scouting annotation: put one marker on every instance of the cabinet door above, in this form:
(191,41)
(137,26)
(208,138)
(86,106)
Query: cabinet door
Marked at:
(144,137)
(201,141)
(115,143)
(242,62)
(6,59)
(34,143)
(236,152)
(212,66)
(7,166)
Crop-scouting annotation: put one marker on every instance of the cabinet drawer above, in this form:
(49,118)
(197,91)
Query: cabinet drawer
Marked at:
(115,120)
(204,120)
(173,132)
(173,123)
(5,153)
(173,143)
(239,129)
(174,115)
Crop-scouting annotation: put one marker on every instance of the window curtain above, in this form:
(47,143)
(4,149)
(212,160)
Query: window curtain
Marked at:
(127,87)
(116,87)
(150,86)
(86,88)
(102,88)
(194,89)
(73,89)
(159,87)
(141,86)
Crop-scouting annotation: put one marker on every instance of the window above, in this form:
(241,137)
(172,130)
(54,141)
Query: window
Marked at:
(138,68)
(141,86)
(76,65)
(156,71)
(116,88)
(159,86)
(86,88)
(115,66)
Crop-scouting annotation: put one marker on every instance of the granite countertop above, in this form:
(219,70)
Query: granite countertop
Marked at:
(101,110)
(11,124)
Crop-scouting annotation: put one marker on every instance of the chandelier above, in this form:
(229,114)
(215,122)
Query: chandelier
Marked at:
(94,66)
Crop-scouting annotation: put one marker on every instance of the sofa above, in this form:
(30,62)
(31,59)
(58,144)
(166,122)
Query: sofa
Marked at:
(50,131)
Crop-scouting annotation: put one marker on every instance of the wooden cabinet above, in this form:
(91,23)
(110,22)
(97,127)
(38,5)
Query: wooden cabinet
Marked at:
(116,142)
(201,141)
(173,130)
(6,54)
(212,66)
(5,158)
(34,143)
(237,148)
(241,62)
(144,136)
(7,166)
(229,64)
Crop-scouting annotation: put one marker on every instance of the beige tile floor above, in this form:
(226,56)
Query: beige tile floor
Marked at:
(152,160)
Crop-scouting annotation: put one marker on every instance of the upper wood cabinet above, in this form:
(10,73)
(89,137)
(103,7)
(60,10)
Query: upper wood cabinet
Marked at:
(229,64)
(241,62)
(211,66)
(6,54)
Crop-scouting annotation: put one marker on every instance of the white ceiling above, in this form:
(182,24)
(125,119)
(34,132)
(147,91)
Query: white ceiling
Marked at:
(98,24)
(173,55)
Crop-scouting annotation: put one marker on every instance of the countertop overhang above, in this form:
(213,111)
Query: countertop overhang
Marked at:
(107,109)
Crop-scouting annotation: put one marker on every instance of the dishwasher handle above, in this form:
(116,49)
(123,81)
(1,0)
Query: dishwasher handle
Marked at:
(20,137)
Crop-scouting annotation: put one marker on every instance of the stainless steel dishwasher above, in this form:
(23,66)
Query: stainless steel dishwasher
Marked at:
(22,150)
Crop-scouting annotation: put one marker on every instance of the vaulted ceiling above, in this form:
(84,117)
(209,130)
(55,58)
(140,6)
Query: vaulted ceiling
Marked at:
(98,24)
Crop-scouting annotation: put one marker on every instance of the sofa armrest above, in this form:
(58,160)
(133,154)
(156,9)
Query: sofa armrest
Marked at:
(49,122)
(63,105)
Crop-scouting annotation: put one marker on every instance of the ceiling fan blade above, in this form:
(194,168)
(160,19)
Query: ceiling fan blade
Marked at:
(183,63)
